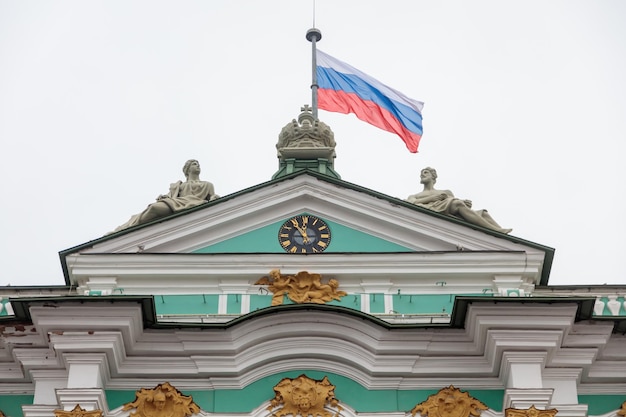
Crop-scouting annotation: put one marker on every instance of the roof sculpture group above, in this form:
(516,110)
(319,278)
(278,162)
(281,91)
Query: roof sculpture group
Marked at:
(312,142)
(444,202)
(182,195)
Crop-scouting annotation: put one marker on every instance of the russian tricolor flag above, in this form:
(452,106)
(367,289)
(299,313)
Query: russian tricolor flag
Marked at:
(345,89)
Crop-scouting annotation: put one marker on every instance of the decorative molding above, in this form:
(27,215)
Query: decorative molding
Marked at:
(527,397)
(303,287)
(530,412)
(162,401)
(449,402)
(78,411)
(304,396)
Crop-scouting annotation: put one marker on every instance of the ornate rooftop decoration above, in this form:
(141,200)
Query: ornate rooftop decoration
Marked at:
(304,397)
(78,411)
(301,288)
(622,412)
(444,202)
(306,138)
(449,402)
(530,412)
(162,401)
(182,195)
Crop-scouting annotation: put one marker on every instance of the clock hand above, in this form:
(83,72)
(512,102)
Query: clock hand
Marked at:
(305,237)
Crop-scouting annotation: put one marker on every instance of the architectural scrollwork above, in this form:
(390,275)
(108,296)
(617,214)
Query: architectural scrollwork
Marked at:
(78,411)
(449,402)
(530,412)
(622,411)
(301,288)
(162,401)
(304,397)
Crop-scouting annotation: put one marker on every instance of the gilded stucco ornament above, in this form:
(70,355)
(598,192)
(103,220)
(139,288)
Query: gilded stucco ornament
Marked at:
(444,202)
(162,401)
(301,288)
(530,412)
(449,402)
(78,411)
(304,397)
(622,412)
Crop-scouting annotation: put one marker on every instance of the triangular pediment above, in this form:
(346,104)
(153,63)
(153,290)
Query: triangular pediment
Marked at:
(362,222)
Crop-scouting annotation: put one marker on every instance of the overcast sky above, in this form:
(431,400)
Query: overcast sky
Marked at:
(101,103)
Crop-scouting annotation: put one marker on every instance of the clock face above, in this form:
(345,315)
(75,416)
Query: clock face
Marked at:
(304,234)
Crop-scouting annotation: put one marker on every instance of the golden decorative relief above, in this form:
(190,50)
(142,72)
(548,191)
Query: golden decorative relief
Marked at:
(301,288)
(449,402)
(162,401)
(531,412)
(622,412)
(305,397)
(77,412)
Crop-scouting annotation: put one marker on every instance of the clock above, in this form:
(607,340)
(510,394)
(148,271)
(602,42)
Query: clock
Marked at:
(304,234)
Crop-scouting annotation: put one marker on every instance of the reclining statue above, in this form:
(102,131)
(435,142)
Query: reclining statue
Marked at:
(182,195)
(443,201)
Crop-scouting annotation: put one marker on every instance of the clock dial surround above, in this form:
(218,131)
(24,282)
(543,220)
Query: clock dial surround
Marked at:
(304,234)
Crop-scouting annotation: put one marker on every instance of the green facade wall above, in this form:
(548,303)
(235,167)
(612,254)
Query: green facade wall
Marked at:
(11,405)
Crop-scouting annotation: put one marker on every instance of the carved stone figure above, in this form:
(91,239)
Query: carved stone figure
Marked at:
(443,201)
(190,193)
(305,397)
(162,401)
(531,412)
(78,411)
(301,288)
(449,402)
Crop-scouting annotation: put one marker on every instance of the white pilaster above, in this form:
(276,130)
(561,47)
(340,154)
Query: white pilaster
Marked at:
(523,369)
(365,303)
(46,382)
(565,385)
(86,370)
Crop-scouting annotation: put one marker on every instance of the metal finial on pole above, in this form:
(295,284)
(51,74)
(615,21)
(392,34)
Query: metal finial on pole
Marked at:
(314,35)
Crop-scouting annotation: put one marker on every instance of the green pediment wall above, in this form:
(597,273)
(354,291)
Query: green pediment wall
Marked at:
(265,240)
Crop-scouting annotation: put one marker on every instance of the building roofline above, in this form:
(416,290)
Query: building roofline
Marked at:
(548,251)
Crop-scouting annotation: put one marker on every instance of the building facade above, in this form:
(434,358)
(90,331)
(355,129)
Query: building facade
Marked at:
(308,295)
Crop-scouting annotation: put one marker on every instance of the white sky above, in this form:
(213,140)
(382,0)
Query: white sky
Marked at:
(101,103)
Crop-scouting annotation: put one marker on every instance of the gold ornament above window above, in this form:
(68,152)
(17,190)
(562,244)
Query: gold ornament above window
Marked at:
(301,288)
(531,412)
(162,401)
(78,411)
(449,402)
(305,397)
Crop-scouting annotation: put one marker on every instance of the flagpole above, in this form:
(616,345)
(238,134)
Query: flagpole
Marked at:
(314,35)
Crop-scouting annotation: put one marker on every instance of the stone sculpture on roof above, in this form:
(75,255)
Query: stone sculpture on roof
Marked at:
(444,202)
(306,137)
(182,195)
